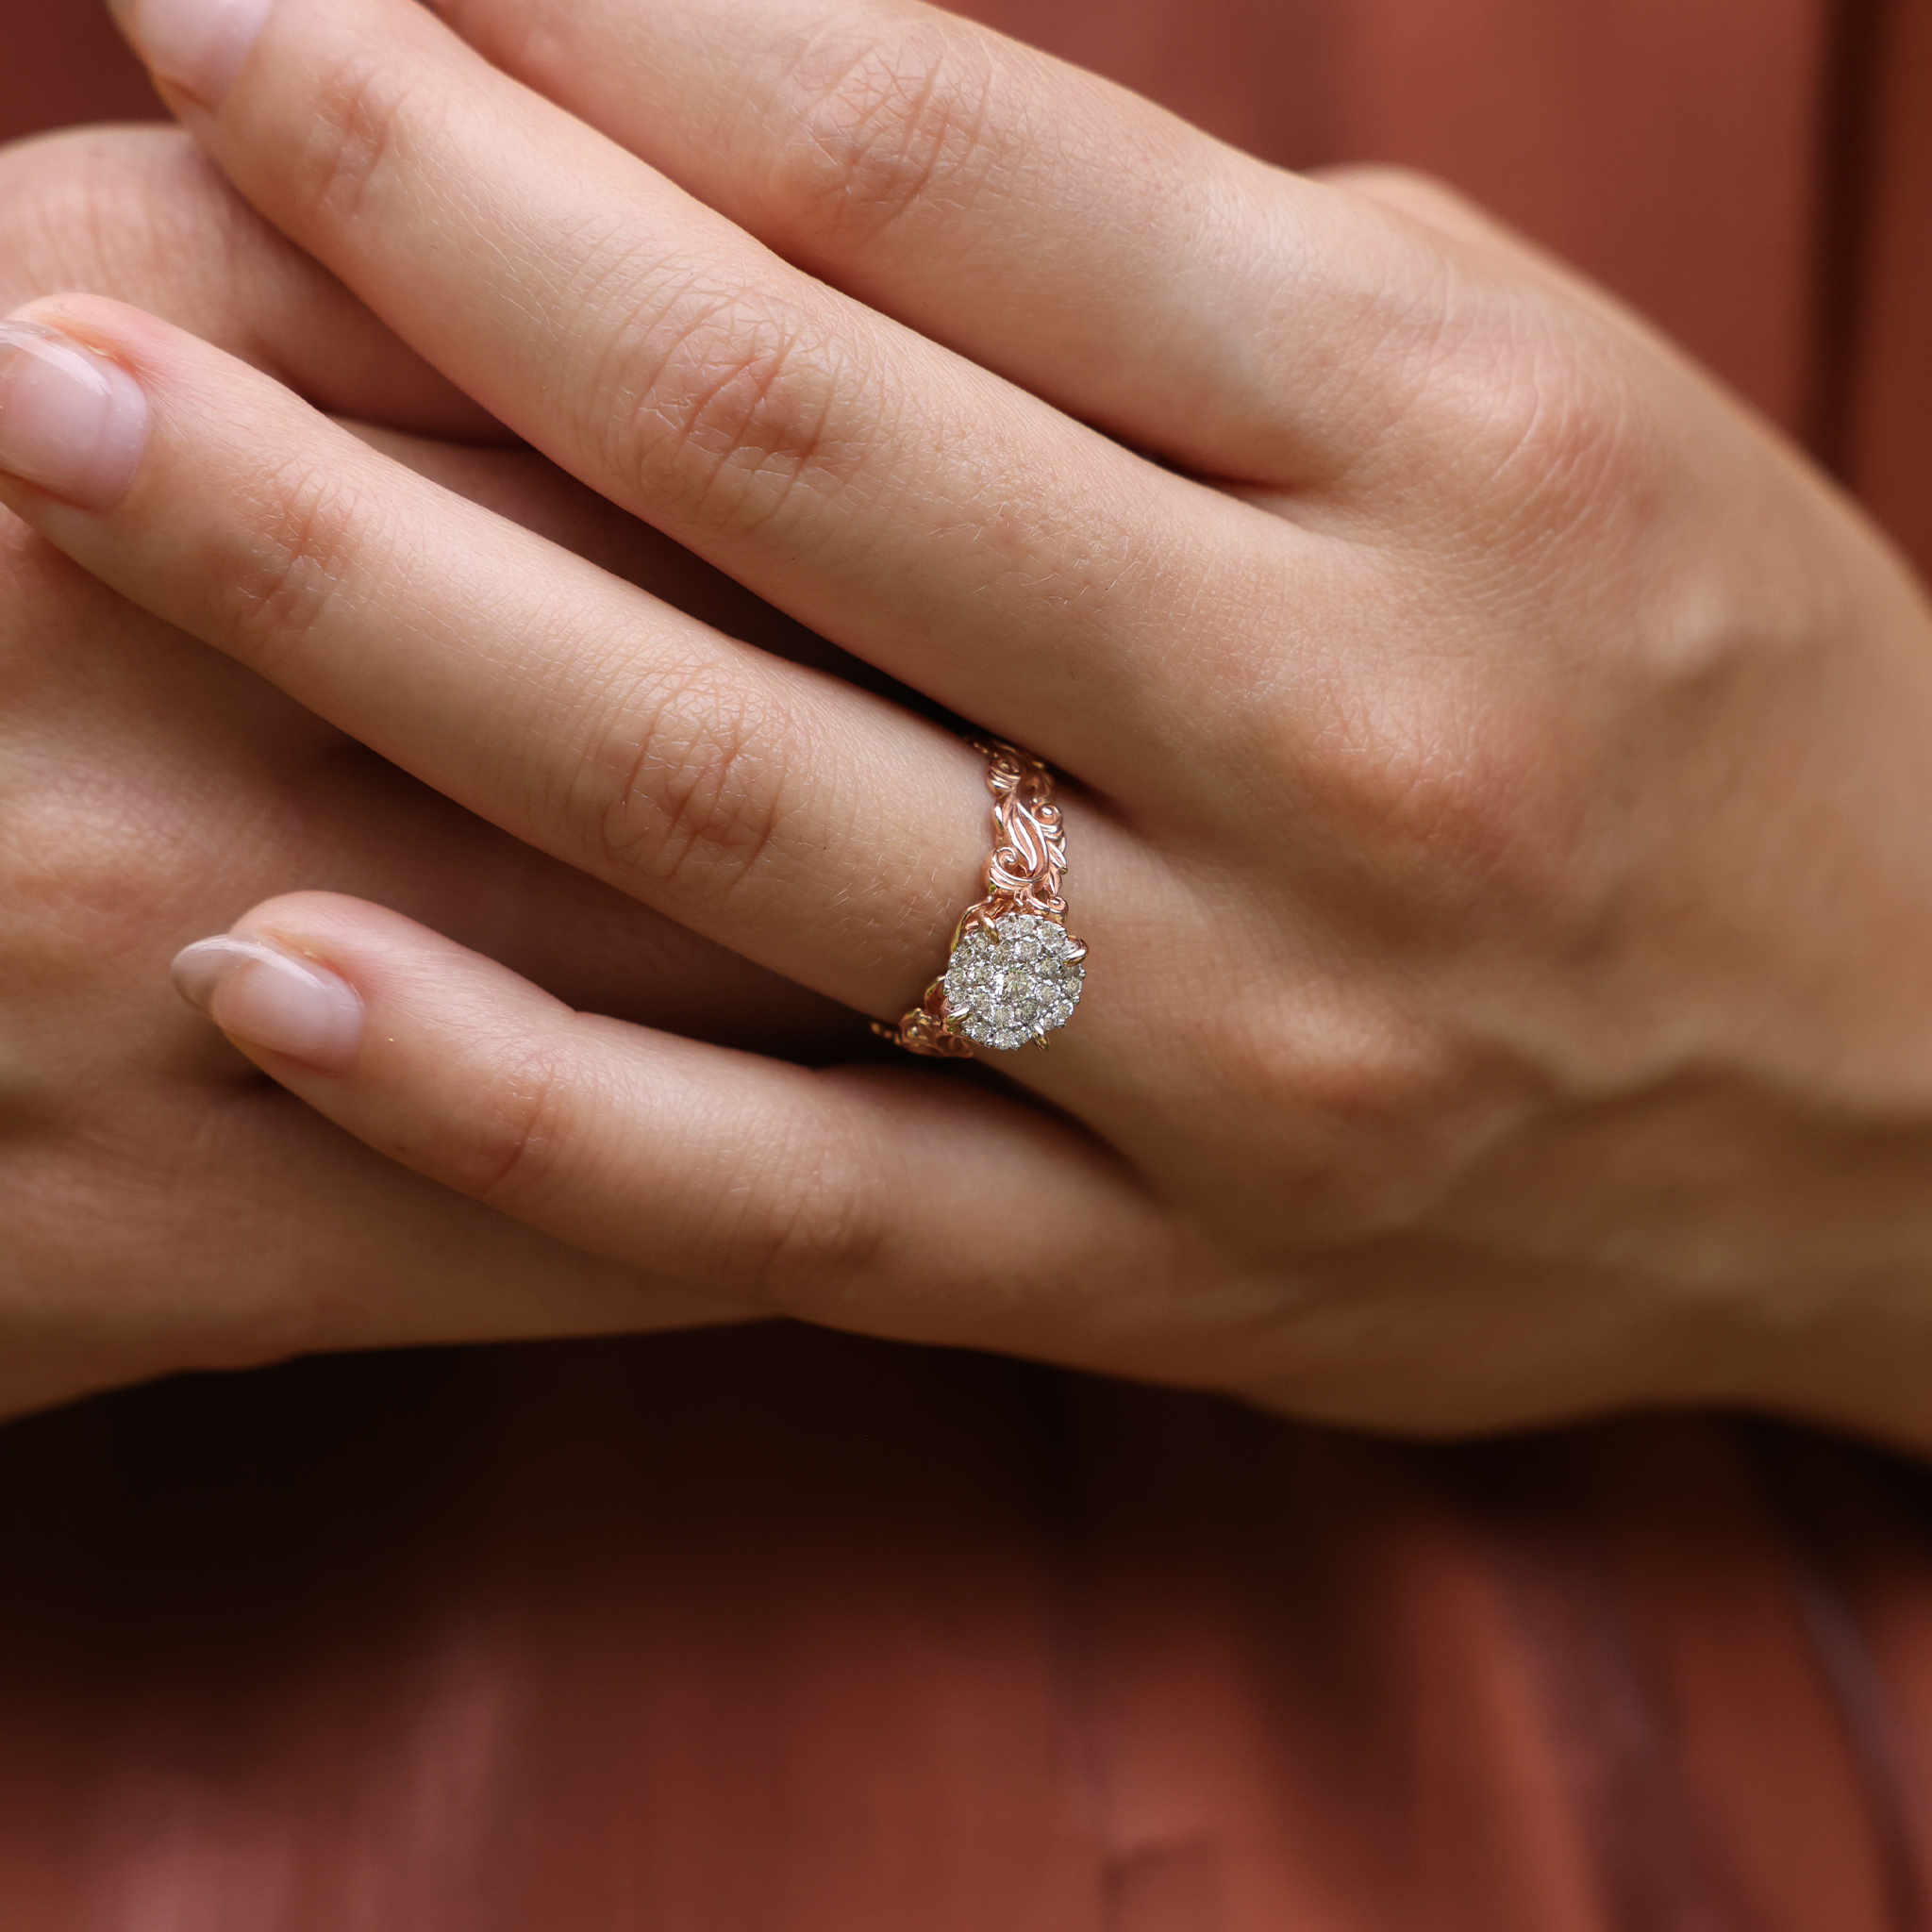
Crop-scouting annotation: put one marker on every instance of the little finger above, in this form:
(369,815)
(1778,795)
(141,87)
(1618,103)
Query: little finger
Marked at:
(865,1198)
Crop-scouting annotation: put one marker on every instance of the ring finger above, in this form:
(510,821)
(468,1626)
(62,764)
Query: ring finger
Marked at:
(805,824)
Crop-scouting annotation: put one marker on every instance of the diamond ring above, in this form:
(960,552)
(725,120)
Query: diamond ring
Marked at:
(1016,972)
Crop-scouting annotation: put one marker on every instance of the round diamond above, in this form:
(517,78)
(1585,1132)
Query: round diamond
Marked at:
(1011,983)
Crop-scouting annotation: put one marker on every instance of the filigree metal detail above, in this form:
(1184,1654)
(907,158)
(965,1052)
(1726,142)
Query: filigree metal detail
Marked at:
(1016,980)
(1029,853)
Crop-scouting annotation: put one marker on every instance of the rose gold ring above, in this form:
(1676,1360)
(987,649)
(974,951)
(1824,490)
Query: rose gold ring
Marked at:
(1015,972)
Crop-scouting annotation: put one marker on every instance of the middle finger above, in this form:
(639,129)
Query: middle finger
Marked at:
(927,515)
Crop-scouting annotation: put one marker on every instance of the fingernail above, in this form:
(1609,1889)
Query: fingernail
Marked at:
(70,422)
(198,44)
(271,999)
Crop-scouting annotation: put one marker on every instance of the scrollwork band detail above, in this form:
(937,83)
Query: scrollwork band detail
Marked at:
(1022,876)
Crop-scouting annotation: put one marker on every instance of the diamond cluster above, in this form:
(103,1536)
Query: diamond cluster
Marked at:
(1014,983)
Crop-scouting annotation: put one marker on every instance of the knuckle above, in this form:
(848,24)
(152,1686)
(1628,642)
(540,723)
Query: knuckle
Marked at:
(1372,1108)
(1412,191)
(689,791)
(1550,427)
(1454,813)
(514,1142)
(879,125)
(1385,178)
(1516,395)
(306,524)
(1432,788)
(1526,399)
(350,136)
(1352,1059)
(817,1223)
(43,211)
(736,399)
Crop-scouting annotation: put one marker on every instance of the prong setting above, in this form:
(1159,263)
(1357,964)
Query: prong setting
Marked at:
(1015,973)
(1013,979)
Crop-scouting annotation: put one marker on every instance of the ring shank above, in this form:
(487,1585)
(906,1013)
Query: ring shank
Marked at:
(1022,876)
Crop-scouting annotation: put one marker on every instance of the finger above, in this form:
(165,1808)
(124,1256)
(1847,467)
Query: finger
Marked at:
(532,492)
(141,215)
(198,1231)
(160,1205)
(892,1201)
(1053,227)
(808,825)
(146,783)
(910,505)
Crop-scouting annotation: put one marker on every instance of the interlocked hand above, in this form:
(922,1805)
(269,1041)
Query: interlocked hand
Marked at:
(162,1206)
(1494,765)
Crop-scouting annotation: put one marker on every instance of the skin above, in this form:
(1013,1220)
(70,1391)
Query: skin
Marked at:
(1494,763)
(161,1205)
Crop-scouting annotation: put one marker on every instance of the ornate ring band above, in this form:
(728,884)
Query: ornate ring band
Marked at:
(1015,973)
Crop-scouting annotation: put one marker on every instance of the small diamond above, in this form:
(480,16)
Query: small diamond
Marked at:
(1014,983)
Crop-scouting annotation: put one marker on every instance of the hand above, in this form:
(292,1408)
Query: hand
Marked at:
(1495,801)
(160,1205)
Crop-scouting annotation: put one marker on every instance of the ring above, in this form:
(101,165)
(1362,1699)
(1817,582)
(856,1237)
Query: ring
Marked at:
(1015,972)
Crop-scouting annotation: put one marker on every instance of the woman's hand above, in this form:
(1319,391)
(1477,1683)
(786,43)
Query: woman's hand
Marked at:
(162,1207)
(1499,767)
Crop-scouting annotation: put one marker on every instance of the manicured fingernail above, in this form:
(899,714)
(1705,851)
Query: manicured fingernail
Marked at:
(198,44)
(272,999)
(70,422)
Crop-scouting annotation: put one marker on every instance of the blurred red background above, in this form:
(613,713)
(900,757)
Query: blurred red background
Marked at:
(774,1631)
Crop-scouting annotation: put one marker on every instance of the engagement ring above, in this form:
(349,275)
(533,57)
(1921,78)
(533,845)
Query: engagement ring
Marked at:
(1016,972)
